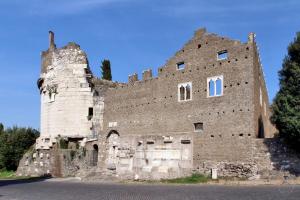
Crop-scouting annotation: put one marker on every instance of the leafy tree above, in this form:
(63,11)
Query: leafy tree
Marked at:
(106,70)
(1,128)
(286,105)
(15,142)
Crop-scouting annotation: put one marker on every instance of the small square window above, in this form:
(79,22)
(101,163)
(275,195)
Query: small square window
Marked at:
(150,142)
(222,55)
(198,127)
(185,141)
(180,65)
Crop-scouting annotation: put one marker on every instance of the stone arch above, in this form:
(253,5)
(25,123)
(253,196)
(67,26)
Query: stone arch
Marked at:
(112,132)
(112,148)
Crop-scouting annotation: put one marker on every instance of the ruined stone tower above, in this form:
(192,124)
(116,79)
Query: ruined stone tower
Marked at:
(66,95)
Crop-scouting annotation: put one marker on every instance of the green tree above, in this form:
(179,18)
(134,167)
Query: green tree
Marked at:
(1,128)
(106,70)
(286,105)
(15,142)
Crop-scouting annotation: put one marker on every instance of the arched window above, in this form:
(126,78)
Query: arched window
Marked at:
(218,87)
(188,92)
(182,91)
(215,86)
(211,88)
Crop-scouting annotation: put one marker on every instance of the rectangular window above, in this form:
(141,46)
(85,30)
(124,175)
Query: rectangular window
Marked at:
(215,86)
(198,127)
(150,142)
(180,65)
(185,91)
(222,55)
(185,141)
(91,113)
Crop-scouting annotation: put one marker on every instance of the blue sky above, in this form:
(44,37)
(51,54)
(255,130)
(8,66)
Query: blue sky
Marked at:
(133,34)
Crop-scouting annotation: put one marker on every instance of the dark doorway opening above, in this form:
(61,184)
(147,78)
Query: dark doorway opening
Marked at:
(94,155)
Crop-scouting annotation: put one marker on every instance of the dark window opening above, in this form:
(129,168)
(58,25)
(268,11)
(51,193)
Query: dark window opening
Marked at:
(94,158)
(182,93)
(150,142)
(180,65)
(185,141)
(140,143)
(198,127)
(188,92)
(91,113)
(222,55)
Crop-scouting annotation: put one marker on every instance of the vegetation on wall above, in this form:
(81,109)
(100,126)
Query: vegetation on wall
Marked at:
(63,144)
(106,70)
(286,105)
(15,142)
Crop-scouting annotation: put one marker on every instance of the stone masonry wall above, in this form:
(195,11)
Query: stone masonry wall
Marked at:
(151,107)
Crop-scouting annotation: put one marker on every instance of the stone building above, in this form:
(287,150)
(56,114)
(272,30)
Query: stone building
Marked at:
(207,109)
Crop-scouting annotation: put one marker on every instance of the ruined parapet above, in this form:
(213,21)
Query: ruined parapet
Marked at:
(251,37)
(101,85)
(147,74)
(69,54)
(52,45)
(200,32)
(47,56)
(133,78)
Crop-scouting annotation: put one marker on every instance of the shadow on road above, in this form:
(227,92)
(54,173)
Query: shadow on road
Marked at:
(6,182)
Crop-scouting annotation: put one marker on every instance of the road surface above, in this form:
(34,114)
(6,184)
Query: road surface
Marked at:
(75,190)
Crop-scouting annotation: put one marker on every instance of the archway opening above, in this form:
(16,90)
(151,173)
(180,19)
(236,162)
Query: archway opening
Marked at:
(113,142)
(95,155)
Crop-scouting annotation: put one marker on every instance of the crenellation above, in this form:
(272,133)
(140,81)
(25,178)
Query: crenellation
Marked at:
(147,74)
(133,78)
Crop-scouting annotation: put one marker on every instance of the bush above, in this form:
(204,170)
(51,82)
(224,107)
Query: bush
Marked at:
(15,142)
(63,144)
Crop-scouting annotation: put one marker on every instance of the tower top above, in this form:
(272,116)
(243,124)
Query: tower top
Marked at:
(51,41)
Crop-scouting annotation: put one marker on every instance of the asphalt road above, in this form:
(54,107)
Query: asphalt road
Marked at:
(70,190)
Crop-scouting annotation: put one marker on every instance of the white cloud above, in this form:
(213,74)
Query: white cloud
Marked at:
(193,7)
(61,7)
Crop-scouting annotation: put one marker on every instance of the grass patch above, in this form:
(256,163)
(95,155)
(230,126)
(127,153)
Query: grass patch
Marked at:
(194,178)
(10,175)
(7,174)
